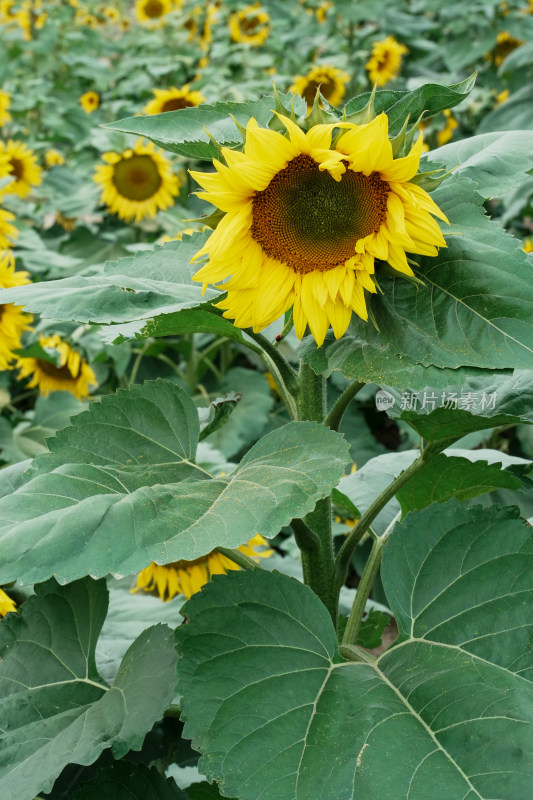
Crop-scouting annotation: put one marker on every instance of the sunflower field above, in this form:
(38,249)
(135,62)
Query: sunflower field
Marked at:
(266,400)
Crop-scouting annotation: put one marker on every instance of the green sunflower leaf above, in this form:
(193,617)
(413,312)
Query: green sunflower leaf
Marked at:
(55,707)
(120,489)
(126,780)
(134,288)
(431,98)
(515,114)
(494,161)
(475,307)
(448,476)
(457,685)
(186,132)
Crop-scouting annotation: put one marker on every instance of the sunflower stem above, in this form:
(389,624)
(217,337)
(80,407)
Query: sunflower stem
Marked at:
(241,559)
(285,376)
(318,562)
(334,418)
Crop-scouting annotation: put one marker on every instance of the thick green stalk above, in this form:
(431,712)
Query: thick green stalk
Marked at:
(239,558)
(319,561)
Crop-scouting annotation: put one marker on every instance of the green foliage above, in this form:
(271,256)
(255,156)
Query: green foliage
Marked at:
(450,563)
(56,708)
(127,464)
(129,781)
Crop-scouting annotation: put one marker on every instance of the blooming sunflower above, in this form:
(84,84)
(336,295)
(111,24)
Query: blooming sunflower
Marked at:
(149,12)
(111,14)
(13,321)
(5,102)
(22,165)
(330,80)
(250,25)
(306,219)
(137,183)
(6,604)
(528,246)
(90,102)
(70,373)
(173,100)
(188,577)
(8,232)
(385,60)
(446,133)
(53,158)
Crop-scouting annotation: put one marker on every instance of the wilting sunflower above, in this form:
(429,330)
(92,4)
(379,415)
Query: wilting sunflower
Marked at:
(90,102)
(188,577)
(385,60)
(6,604)
(137,183)
(250,25)
(446,133)
(13,321)
(150,12)
(5,102)
(330,80)
(69,373)
(305,221)
(173,100)
(505,44)
(22,165)
(53,158)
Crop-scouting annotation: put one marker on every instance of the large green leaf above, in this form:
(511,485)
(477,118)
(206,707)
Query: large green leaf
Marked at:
(55,708)
(448,476)
(445,713)
(186,132)
(515,113)
(494,161)
(128,781)
(476,305)
(431,98)
(135,288)
(120,489)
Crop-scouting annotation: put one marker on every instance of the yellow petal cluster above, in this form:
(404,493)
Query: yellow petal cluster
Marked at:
(329,79)
(385,60)
(306,219)
(70,373)
(250,25)
(13,321)
(188,577)
(173,99)
(90,102)
(22,166)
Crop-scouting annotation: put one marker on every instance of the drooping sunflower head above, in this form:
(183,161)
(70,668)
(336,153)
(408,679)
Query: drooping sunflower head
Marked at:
(22,166)
(250,25)
(173,99)
(90,102)
(188,577)
(66,371)
(137,183)
(152,12)
(5,102)
(306,218)
(330,80)
(385,60)
(505,44)
(13,320)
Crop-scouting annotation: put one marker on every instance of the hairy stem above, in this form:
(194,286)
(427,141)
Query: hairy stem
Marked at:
(334,418)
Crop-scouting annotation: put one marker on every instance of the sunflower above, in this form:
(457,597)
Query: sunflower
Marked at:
(53,158)
(322,10)
(385,60)
(446,133)
(5,102)
(188,577)
(13,321)
(111,14)
(330,80)
(250,26)
(6,604)
(528,246)
(90,102)
(173,99)
(8,232)
(22,166)
(137,183)
(149,12)
(306,219)
(505,44)
(67,223)
(69,373)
